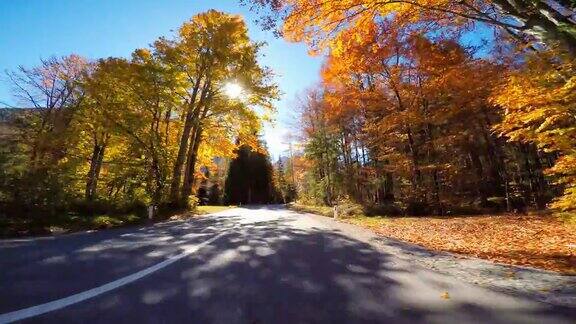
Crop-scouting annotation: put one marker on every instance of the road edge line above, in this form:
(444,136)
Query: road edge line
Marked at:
(57,304)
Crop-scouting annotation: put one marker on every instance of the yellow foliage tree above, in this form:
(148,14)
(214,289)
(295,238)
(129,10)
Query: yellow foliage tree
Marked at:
(539,101)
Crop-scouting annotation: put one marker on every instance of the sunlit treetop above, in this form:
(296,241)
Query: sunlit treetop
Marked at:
(318,22)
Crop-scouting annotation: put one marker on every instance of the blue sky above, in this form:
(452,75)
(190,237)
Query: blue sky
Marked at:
(30,30)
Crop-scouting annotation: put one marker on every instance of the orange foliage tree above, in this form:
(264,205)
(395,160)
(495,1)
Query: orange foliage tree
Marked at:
(400,81)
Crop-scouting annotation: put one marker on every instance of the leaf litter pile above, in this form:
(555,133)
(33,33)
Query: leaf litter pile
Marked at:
(529,240)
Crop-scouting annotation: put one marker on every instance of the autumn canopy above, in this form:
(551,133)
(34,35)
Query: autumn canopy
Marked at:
(412,114)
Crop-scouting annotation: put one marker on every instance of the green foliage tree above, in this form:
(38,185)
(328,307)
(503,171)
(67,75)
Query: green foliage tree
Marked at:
(286,188)
(34,174)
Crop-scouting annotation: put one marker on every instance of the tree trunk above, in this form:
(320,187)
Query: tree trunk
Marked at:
(158,182)
(191,113)
(94,171)
(200,114)
(507,192)
(191,165)
(416,175)
(432,156)
(536,181)
(541,182)
(479,170)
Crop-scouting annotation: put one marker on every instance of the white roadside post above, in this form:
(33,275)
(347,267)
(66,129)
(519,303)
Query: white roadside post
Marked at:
(151,209)
(335,211)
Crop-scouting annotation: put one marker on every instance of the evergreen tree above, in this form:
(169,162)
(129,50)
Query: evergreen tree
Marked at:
(215,196)
(286,189)
(250,178)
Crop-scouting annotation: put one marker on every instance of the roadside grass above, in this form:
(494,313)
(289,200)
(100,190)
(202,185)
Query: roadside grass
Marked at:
(535,240)
(75,222)
(318,210)
(203,210)
(103,221)
(65,223)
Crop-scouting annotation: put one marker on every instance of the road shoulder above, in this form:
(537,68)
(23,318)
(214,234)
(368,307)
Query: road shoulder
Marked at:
(534,284)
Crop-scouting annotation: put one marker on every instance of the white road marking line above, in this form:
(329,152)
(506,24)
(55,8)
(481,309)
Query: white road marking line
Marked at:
(88,294)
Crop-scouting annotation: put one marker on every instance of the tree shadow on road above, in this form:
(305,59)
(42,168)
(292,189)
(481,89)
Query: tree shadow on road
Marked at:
(270,271)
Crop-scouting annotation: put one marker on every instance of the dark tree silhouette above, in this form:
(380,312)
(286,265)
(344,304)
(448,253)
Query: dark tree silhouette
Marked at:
(250,178)
(215,196)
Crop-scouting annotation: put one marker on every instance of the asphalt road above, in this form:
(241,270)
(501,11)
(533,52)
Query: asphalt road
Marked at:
(244,265)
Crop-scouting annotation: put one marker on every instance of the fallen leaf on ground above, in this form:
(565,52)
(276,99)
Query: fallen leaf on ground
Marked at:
(538,241)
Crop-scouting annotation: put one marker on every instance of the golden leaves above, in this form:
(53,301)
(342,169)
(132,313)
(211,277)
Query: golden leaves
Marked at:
(539,102)
(538,240)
